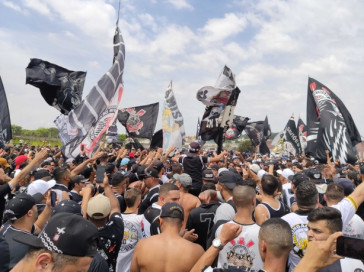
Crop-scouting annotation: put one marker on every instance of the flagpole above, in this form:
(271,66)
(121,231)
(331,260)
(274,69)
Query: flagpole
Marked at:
(220,140)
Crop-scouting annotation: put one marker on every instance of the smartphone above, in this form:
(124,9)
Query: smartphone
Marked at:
(350,247)
(100,173)
(53,198)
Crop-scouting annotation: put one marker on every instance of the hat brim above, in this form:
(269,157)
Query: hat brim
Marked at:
(29,240)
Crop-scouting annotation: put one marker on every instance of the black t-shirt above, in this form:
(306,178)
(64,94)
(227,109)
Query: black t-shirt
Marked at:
(110,239)
(202,220)
(15,250)
(98,264)
(152,216)
(193,165)
(76,197)
(121,200)
(4,190)
(4,255)
(149,199)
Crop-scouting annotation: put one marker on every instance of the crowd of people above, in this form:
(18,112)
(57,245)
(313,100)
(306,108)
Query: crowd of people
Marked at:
(176,210)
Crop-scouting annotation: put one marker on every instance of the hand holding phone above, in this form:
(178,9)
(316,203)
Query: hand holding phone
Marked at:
(100,173)
(350,247)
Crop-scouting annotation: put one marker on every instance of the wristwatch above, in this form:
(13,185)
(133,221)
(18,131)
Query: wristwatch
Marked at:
(217,244)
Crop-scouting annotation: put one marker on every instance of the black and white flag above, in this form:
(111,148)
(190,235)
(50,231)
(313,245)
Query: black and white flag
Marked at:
(86,124)
(330,125)
(236,128)
(139,121)
(255,131)
(302,133)
(5,124)
(291,139)
(263,147)
(60,87)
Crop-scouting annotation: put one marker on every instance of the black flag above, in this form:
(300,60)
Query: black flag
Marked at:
(330,125)
(5,124)
(60,88)
(157,140)
(139,121)
(255,131)
(291,140)
(236,127)
(263,148)
(302,133)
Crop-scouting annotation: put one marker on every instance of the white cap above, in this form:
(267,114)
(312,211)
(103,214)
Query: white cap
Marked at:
(222,169)
(261,173)
(279,171)
(287,172)
(255,168)
(40,186)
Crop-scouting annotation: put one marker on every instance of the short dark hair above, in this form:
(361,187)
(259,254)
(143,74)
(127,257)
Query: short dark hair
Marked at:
(269,184)
(131,195)
(59,173)
(176,168)
(243,195)
(208,186)
(335,191)
(331,215)
(278,235)
(117,179)
(166,187)
(306,194)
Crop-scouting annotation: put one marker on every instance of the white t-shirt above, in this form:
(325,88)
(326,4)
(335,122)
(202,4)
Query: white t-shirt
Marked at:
(355,228)
(132,234)
(243,251)
(298,225)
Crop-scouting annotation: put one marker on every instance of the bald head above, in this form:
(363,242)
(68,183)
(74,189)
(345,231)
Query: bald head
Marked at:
(243,195)
(277,235)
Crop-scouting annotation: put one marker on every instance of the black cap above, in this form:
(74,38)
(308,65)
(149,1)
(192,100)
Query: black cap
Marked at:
(141,171)
(67,234)
(230,179)
(361,168)
(19,205)
(194,147)
(298,178)
(172,210)
(208,175)
(78,179)
(158,165)
(315,175)
(151,172)
(347,184)
(68,206)
(41,173)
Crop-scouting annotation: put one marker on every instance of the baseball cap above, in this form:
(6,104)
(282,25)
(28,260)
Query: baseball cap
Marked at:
(208,175)
(41,173)
(347,184)
(131,155)
(78,179)
(261,173)
(286,173)
(184,179)
(124,161)
(40,186)
(141,171)
(255,168)
(4,163)
(172,210)
(194,147)
(151,172)
(222,169)
(214,167)
(19,160)
(361,169)
(298,178)
(98,207)
(67,234)
(230,179)
(68,206)
(158,165)
(315,175)
(19,205)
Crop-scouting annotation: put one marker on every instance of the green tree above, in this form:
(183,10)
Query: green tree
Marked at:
(246,146)
(122,137)
(16,130)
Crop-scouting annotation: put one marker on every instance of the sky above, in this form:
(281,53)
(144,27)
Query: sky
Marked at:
(272,46)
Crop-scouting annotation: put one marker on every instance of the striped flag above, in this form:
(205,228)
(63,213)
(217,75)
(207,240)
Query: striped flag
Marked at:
(86,124)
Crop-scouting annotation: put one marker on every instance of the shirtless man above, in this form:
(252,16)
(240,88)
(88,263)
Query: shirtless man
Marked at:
(187,200)
(163,252)
(270,207)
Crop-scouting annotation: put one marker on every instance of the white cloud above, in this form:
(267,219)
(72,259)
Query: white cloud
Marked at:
(180,4)
(13,6)
(38,6)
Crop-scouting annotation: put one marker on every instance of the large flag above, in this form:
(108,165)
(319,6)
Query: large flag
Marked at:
(172,122)
(112,134)
(236,128)
(139,121)
(86,124)
(263,147)
(223,95)
(60,87)
(255,131)
(330,125)
(278,142)
(292,143)
(157,140)
(5,124)
(302,133)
